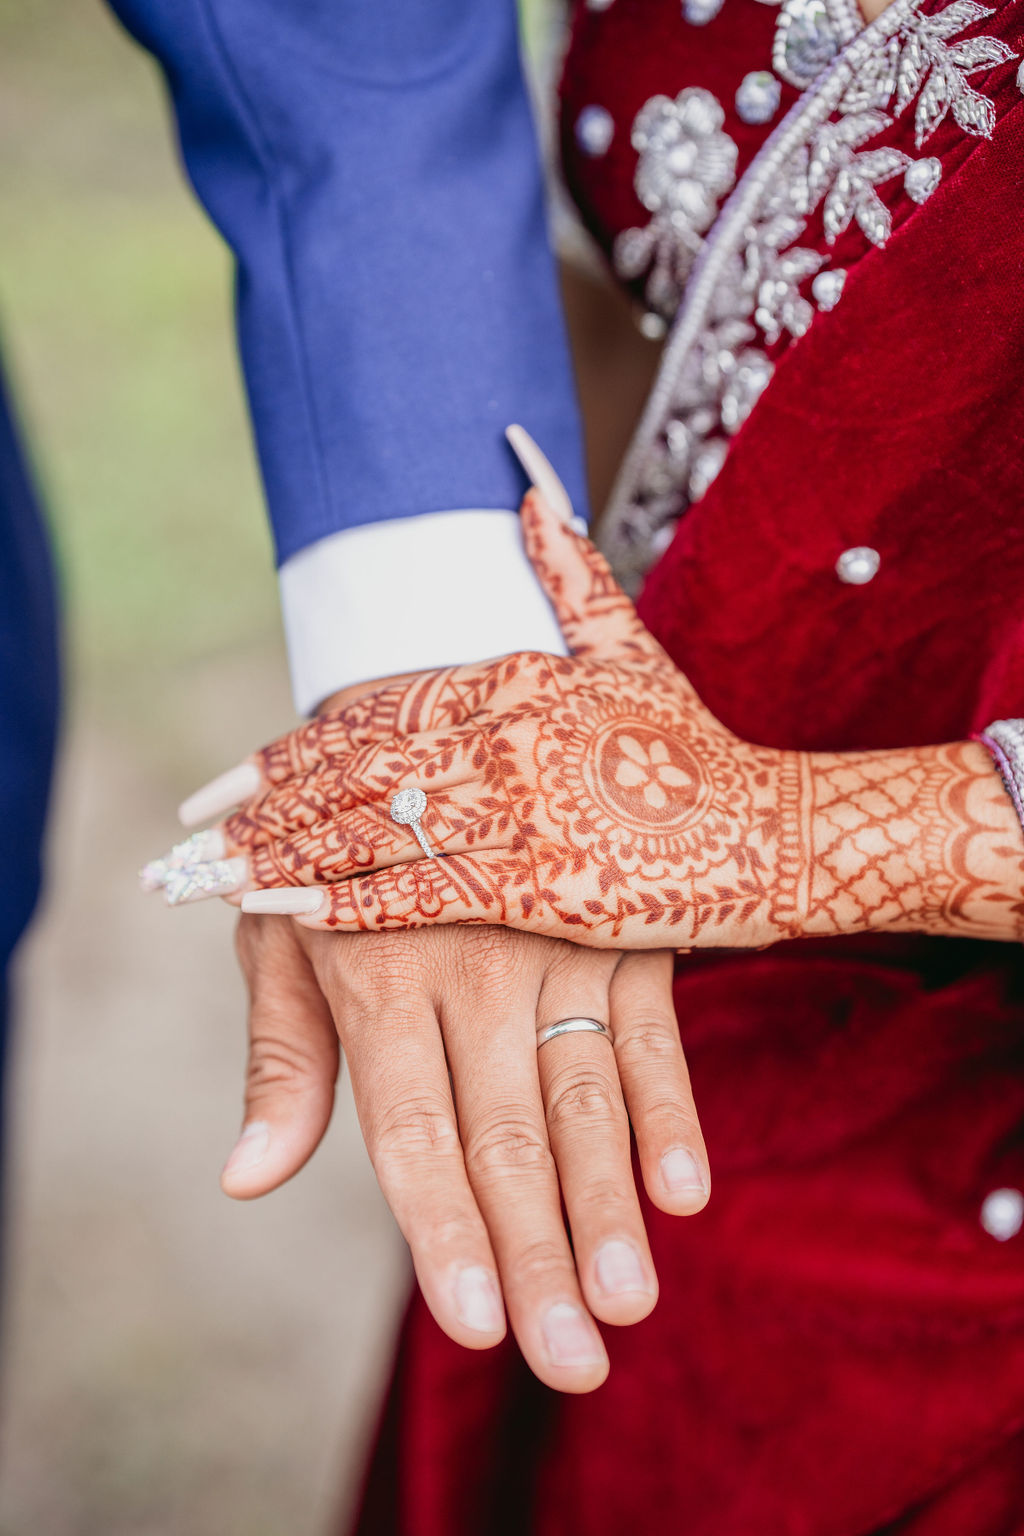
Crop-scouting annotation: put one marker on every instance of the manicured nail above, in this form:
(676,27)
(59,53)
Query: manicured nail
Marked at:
(541,473)
(285,901)
(682,1173)
(250,1149)
(569,1338)
(195,882)
(220,795)
(619,1269)
(200,848)
(477,1301)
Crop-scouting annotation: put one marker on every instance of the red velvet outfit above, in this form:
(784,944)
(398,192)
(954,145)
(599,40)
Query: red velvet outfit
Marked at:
(839,1344)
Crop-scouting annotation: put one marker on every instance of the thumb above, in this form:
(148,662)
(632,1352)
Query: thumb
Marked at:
(293,1060)
(593,612)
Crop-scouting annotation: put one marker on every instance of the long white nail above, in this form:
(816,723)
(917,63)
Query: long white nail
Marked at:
(197,849)
(195,882)
(220,795)
(543,475)
(285,901)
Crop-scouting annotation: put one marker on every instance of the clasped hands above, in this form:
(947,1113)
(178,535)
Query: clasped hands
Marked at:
(591,799)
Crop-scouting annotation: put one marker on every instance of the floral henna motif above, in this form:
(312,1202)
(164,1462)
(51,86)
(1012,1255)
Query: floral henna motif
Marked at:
(596,798)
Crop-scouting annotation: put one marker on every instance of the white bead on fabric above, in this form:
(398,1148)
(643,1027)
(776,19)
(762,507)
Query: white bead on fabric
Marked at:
(1002,1214)
(922,177)
(595,129)
(858,566)
(699,12)
(827,288)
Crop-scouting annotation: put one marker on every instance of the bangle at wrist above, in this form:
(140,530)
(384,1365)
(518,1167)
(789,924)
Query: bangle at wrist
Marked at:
(1005,740)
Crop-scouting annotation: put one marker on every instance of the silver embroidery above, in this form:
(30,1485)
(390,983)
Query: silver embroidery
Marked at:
(805,41)
(745,289)
(686,165)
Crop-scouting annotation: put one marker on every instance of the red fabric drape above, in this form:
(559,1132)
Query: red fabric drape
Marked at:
(839,1347)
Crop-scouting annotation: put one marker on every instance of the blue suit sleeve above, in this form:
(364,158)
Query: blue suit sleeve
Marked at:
(373,164)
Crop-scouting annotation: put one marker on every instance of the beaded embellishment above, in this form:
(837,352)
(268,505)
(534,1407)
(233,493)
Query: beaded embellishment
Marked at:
(746,281)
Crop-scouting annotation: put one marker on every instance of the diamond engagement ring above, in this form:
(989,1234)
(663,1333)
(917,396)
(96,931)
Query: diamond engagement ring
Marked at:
(571,1027)
(406,809)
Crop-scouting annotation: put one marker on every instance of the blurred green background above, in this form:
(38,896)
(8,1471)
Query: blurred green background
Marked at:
(115,304)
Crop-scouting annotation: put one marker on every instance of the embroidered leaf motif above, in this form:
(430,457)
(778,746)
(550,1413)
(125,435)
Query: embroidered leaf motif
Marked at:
(877,165)
(975,113)
(979,53)
(874,86)
(932,105)
(961,14)
(874,219)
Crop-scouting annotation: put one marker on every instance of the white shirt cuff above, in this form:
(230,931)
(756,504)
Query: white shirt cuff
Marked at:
(407,595)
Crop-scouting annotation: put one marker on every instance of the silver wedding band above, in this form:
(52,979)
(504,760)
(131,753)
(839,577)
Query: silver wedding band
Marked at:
(571,1027)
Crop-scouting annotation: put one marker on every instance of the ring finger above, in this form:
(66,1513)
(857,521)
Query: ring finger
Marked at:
(589,1134)
(491,1047)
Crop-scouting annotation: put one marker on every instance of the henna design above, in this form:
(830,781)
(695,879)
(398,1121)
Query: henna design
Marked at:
(596,798)
(918,840)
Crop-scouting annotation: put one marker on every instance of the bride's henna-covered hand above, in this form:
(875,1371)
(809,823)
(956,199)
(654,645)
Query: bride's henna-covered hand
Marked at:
(597,799)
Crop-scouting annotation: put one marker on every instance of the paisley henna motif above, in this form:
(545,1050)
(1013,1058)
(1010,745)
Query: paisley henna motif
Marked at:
(596,798)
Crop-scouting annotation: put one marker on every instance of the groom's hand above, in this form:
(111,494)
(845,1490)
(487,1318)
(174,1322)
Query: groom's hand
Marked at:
(476,1164)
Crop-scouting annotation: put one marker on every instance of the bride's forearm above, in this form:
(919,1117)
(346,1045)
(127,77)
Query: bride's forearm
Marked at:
(924,840)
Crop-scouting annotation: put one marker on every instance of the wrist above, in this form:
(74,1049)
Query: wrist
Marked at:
(919,840)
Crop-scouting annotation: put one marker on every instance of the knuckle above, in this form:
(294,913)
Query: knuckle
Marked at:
(613,1203)
(486,961)
(280,1064)
(574,967)
(386,968)
(672,1121)
(648,1044)
(539,1264)
(508,1143)
(412,1129)
(435,1237)
(586,1099)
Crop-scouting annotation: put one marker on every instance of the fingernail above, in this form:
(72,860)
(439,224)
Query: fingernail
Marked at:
(569,1338)
(541,472)
(682,1173)
(619,1269)
(285,901)
(250,1149)
(195,882)
(227,790)
(197,849)
(477,1302)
